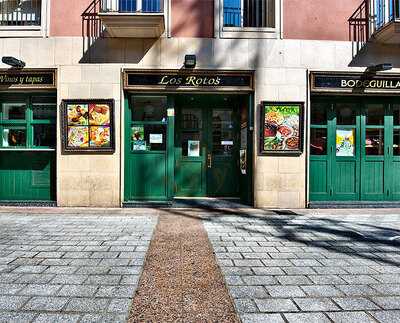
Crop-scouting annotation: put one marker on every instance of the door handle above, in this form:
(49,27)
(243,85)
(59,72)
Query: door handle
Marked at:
(209,161)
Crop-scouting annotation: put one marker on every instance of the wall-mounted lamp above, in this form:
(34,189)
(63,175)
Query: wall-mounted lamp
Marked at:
(379,68)
(190,61)
(12,61)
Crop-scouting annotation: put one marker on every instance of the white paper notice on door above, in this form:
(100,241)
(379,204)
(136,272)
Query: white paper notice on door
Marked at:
(193,148)
(227,143)
(156,138)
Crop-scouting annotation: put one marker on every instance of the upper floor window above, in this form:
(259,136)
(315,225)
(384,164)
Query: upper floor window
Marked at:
(249,13)
(19,18)
(249,18)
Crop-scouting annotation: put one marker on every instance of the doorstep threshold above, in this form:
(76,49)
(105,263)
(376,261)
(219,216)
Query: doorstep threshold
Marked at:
(354,205)
(28,203)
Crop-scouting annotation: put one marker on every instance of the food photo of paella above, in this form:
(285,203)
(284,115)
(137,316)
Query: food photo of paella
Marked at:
(78,114)
(281,128)
(78,137)
(100,136)
(99,114)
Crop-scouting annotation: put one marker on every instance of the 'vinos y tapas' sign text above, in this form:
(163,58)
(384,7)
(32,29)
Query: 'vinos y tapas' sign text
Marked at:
(27,79)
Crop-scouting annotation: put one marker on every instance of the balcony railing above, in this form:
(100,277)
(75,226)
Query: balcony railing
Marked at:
(370,18)
(20,12)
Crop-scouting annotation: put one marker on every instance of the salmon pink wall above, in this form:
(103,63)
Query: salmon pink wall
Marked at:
(317,19)
(192,18)
(66,17)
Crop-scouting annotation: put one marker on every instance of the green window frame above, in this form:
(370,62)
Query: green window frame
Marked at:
(29,123)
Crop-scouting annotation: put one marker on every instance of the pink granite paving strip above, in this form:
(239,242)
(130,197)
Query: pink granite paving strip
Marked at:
(181,281)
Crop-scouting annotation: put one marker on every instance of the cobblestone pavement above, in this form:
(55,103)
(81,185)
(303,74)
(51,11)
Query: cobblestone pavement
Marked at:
(69,268)
(310,268)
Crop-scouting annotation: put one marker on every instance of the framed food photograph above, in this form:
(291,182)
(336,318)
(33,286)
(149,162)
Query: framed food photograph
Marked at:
(88,126)
(281,128)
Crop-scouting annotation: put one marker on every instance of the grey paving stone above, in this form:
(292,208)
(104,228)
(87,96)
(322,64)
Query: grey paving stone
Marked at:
(50,254)
(306,318)
(40,290)
(61,270)
(88,304)
(329,270)
(35,278)
(116,291)
(238,271)
(388,289)
(11,289)
(360,270)
(326,279)
(12,303)
(46,304)
(105,318)
(120,305)
(263,271)
(255,255)
(315,304)
(261,318)
(356,290)
(69,279)
(233,280)
(259,280)
(248,292)
(305,262)
(276,305)
(129,280)
(78,290)
(387,302)
(293,280)
(248,263)
(59,318)
(16,317)
(387,278)
(350,317)
(93,270)
(355,304)
(103,279)
(386,316)
(245,305)
(285,291)
(358,279)
(277,263)
(299,271)
(29,269)
(321,291)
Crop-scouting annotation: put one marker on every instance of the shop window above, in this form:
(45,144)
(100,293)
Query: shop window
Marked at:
(396,114)
(191,132)
(346,113)
(29,124)
(375,114)
(318,141)
(222,132)
(319,113)
(249,18)
(374,142)
(396,142)
(148,123)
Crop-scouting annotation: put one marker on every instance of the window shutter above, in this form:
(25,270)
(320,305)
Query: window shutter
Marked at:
(151,5)
(127,5)
(232,13)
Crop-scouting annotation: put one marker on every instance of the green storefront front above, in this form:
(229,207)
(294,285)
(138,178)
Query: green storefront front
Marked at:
(28,114)
(354,139)
(188,134)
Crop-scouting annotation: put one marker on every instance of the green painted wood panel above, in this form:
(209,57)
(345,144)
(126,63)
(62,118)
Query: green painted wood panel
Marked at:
(319,189)
(147,177)
(27,176)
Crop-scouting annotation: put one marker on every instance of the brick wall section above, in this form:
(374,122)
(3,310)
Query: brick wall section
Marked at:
(66,17)
(317,20)
(192,18)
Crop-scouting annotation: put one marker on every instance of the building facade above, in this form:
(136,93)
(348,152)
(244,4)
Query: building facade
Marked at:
(127,101)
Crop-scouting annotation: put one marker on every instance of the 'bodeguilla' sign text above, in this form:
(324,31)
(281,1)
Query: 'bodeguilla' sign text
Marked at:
(354,82)
(198,79)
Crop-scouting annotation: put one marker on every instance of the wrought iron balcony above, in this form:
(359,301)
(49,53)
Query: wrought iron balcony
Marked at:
(124,18)
(375,21)
(23,13)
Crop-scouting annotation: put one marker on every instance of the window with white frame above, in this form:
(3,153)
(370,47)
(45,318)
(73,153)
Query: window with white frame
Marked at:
(20,18)
(249,18)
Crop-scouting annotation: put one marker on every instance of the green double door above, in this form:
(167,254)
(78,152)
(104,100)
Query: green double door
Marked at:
(355,150)
(206,147)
